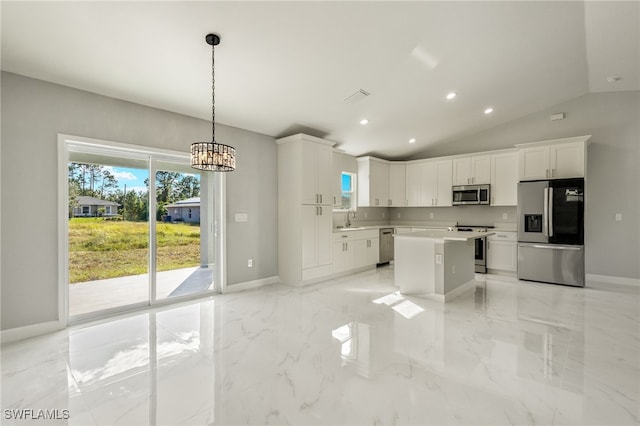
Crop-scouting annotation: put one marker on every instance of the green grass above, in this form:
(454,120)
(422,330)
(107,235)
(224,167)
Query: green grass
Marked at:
(100,249)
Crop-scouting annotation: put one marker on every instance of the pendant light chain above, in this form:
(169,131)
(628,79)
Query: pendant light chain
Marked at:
(213,93)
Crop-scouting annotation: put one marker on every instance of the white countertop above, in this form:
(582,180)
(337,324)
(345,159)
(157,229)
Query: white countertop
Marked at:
(445,235)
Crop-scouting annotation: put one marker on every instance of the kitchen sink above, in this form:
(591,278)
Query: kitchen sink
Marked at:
(349,228)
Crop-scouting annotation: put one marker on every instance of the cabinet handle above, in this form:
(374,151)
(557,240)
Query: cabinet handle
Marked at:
(334,200)
(473,180)
(389,202)
(320,210)
(320,198)
(553,172)
(547,175)
(468,181)
(377,202)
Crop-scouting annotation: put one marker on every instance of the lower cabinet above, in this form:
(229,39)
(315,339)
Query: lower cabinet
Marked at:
(502,251)
(355,249)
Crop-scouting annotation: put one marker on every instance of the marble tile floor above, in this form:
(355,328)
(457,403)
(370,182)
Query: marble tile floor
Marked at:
(349,351)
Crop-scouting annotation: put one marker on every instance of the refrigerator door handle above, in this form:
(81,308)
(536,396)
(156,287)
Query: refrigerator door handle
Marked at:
(550,211)
(555,247)
(545,213)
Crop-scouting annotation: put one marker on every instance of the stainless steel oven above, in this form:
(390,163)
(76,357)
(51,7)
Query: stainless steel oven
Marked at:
(480,247)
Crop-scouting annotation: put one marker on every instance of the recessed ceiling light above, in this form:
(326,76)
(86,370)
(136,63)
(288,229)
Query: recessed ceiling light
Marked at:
(451,95)
(364,121)
(412,140)
(488,110)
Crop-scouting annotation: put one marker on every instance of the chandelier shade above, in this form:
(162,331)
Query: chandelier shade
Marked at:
(213,156)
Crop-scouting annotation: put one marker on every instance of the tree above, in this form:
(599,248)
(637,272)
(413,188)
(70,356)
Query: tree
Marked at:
(165,182)
(187,187)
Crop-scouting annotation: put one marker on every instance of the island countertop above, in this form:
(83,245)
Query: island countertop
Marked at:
(444,235)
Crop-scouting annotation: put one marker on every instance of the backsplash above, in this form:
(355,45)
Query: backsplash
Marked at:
(465,215)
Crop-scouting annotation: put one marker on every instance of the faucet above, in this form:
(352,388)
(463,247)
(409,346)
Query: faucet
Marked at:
(347,222)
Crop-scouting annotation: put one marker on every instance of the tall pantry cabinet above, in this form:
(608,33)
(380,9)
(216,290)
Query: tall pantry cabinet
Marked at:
(305,199)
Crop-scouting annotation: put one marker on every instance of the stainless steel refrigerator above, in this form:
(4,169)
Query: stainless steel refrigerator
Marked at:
(551,231)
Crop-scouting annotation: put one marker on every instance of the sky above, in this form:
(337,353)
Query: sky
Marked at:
(133,178)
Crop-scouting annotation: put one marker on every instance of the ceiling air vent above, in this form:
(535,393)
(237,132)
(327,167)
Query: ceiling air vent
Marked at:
(355,97)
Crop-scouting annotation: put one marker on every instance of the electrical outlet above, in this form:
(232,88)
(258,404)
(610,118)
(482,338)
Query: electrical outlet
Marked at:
(618,217)
(398,215)
(250,263)
(505,215)
(366,215)
(431,215)
(384,215)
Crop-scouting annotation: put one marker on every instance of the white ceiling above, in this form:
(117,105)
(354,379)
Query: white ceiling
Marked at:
(285,67)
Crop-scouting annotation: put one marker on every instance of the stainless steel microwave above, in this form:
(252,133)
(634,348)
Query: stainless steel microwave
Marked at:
(471,194)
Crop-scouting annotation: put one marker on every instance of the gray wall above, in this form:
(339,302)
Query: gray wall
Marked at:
(613,169)
(34,112)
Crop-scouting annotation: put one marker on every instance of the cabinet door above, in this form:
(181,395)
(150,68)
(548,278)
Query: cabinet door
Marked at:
(462,171)
(337,169)
(428,184)
(443,177)
(533,163)
(323,173)
(309,178)
(360,253)
(413,184)
(379,181)
(342,257)
(308,235)
(567,160)
(480,169)
(504,179)
(323,234)
(373,251)
(502,255)
(397,185)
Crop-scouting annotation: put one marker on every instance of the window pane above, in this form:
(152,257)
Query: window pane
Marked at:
(346,182)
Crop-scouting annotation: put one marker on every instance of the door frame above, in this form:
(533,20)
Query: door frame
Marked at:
(214,186)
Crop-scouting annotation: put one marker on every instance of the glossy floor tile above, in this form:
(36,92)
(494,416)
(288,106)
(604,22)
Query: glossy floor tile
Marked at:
(349,351)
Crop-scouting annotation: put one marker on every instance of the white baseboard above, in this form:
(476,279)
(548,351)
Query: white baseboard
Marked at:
(251,284)
(21,333)
(612,279)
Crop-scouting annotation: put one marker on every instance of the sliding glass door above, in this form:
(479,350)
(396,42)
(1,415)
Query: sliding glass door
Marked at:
(141,229)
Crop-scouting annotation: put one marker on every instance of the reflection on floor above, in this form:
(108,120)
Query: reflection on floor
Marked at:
(97,295)
(348,351)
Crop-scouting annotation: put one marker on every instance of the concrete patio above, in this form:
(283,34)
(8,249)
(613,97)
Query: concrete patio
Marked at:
(91,296)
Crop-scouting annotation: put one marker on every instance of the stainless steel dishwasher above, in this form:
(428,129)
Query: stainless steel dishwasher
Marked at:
(386,245)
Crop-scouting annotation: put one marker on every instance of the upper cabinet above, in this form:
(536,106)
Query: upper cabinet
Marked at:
(504,178)
(316,181)
(397,184)
(429,183)
(373,182)
(556,159)
(472,170)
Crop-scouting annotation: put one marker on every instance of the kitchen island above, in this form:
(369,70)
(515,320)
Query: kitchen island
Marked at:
(436,264)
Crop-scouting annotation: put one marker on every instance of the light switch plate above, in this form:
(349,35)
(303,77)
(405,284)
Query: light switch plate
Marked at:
(505,215)
(242,217)
(618,217)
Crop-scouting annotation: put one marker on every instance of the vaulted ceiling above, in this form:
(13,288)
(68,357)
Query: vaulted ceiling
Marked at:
(286,67)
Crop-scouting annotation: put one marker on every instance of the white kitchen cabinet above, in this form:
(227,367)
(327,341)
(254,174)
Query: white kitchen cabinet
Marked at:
(367,252)
(413,184)
(305,199)
(504,179)
(472,170)
(336,177)
(502,251)
(397,184)
(561,158)
(429,183)
(317,183)
(343,256)
(373,182)
(316,236)
(355,250)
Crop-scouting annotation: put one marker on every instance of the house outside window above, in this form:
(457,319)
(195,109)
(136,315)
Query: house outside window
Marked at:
(348,185)
(86,210)
(189,213)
